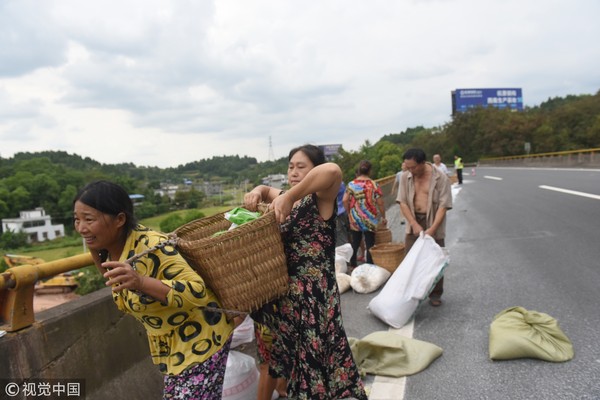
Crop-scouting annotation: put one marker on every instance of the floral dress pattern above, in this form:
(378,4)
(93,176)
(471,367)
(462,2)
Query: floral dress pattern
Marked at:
(363,195)
(310,346)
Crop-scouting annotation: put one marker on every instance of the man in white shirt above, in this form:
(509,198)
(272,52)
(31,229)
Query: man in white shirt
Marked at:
(437,161)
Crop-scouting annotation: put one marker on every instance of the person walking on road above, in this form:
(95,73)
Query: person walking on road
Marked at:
(458,167)
(364,203)
(424,197)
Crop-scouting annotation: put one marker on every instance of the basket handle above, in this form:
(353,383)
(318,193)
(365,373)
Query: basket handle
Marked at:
(172,241)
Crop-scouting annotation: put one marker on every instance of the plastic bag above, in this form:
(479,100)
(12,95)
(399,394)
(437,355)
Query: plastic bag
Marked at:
(367,278)
(241,377)
(243,333)
(343,254)
(240,215)
(518,333)
(411,283)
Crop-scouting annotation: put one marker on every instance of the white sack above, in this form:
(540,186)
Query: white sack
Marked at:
(367,278)
(411,283)
(243,333)
(343,282)
(343,254)
(241,377)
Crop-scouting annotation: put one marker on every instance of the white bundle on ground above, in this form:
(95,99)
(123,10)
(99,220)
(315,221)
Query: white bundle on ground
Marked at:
(367,278)
(411,283)
(343,254)
(343,281)
(241,377)
(243,333)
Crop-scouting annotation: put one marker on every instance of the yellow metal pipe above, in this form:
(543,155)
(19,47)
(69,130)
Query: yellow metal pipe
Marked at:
(23,275)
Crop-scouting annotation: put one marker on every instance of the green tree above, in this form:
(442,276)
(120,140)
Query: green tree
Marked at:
(170,223)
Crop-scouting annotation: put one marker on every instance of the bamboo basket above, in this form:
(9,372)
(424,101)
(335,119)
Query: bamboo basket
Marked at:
(383,235)
(387,255)
(245,267)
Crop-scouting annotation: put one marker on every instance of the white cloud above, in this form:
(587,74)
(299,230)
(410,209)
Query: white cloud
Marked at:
(163,84)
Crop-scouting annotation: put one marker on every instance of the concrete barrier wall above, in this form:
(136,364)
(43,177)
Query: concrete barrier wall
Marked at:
(87,338)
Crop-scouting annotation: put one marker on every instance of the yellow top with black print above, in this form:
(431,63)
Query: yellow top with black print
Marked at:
(180,333)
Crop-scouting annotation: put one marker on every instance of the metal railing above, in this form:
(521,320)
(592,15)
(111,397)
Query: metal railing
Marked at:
(17,285)
(583,155)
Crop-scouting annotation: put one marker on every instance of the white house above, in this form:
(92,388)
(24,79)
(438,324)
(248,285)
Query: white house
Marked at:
(36,224)
(275,180)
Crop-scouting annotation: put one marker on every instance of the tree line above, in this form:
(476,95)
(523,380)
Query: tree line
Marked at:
(50,179)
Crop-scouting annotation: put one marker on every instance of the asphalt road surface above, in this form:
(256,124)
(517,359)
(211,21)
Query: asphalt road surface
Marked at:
(516,237)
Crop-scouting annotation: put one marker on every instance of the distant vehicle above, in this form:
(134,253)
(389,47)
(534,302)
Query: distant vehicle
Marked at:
(65,280)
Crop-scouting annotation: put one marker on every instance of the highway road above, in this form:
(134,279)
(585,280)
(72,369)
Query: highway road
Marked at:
(516,237)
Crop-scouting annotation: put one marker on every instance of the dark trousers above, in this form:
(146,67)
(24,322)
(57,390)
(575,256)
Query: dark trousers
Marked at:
(410,239)
(356,237)
(459,175)
(342,230)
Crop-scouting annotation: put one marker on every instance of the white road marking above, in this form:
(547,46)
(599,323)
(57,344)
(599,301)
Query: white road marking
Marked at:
(495,178)
(574,192)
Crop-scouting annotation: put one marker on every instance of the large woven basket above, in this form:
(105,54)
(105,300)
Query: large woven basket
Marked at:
(245,267)
(383,235)
(388,255)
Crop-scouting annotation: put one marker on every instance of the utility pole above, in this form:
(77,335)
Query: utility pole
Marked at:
(271,154)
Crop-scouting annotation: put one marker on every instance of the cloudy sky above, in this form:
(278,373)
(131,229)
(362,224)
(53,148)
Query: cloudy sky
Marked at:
(163,83)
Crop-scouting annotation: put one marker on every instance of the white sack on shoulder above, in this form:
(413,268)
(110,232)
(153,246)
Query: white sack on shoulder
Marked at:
(367,278)
(411,283)
(343,282)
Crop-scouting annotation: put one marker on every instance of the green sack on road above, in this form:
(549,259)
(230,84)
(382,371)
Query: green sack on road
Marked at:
(518,333)
(389,354)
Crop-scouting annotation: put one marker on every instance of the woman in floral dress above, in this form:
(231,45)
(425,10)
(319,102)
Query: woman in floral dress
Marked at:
(310,346)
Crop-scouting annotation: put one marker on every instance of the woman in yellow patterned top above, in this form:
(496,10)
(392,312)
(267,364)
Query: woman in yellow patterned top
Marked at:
(190,345)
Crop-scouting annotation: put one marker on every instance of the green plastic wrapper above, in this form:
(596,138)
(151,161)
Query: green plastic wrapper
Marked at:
(240,215)
(518,333)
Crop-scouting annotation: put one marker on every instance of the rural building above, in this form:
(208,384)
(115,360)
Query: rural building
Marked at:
(36,224)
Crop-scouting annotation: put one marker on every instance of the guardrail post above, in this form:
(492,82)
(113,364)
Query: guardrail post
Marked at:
(17,308)
(17,286)
(16,303)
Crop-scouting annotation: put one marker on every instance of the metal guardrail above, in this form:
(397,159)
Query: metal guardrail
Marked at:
(591,152)
(17,288)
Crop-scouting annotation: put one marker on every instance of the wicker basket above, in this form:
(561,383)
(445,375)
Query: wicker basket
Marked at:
(245,267)
(383,235)
(388,255)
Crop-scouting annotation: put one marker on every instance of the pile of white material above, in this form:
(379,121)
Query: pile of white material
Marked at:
(367,278)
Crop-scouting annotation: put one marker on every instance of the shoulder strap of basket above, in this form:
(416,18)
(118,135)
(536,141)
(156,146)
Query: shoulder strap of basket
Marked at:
(172,241)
